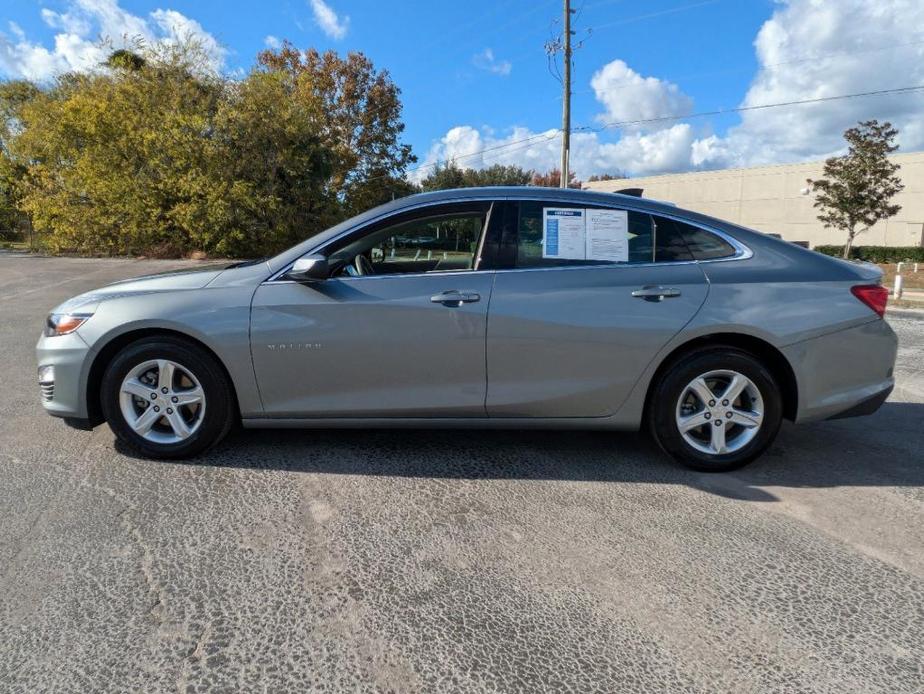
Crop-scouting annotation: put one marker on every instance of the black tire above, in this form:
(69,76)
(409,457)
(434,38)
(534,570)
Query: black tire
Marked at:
(667,391)
(220,405)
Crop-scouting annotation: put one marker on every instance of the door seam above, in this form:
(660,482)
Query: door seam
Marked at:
(487,325)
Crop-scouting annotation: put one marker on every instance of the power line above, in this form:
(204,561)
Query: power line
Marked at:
(552,133)
(743,109)
(660,13)
(547,135)
(805,58)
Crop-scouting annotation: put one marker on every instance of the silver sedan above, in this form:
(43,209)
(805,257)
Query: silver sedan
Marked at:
(492,307)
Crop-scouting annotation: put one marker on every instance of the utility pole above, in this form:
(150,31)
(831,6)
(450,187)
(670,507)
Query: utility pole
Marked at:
(566,100)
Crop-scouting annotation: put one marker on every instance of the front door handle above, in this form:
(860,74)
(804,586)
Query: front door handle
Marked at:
(454,297)
(652,293)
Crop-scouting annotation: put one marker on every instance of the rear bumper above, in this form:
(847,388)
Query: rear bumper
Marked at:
(866,407)
(845,374)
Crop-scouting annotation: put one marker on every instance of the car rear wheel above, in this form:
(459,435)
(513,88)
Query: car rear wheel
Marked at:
(716,410)
(167,398)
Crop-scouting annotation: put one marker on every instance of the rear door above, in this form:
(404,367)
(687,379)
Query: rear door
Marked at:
(570,337)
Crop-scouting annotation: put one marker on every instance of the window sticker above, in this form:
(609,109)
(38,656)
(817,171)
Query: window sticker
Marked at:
(607,235)
(563,233)
(585,234)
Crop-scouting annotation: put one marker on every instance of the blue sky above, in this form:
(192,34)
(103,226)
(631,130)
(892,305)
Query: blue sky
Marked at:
(474,75)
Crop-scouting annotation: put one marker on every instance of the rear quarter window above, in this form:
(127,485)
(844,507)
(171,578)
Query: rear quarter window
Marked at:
(704,245)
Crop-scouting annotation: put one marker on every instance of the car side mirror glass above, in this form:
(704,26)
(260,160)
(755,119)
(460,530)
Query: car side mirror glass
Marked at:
(310,268)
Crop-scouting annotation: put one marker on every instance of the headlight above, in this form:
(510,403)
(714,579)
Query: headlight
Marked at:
(64,323)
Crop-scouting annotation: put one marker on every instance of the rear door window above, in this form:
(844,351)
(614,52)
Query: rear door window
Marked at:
(651,239)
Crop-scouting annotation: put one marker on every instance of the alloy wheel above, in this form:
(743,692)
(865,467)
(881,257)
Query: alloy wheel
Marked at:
(719,412)
(162,401)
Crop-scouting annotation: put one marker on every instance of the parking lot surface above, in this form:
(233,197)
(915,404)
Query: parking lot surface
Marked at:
(451,560)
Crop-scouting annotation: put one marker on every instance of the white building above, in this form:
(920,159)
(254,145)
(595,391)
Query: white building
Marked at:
(777,199)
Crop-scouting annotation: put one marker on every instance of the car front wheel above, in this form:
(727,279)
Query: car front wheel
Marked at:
(716,410)
(167,398)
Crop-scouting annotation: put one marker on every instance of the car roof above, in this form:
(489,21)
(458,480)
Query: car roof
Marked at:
(538,193)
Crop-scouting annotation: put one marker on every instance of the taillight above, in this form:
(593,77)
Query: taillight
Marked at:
(873,295)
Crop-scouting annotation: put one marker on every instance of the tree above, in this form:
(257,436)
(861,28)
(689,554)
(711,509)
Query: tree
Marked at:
(619,175)
(13,97)
(552,179)
(450,175)
(124,59)
(118,161)
(444,177)
(360,120)
(155,153)
(268,168)
(498,175)
(858,187)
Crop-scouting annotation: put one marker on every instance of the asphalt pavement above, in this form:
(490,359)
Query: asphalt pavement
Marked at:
(424,561)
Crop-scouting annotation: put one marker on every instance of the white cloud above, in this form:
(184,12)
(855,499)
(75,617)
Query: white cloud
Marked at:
(178,28)
(76,46)
(485,60)
(808,49)
(272,42)
(69,22)
(627,96)
(327,19)
(638,152)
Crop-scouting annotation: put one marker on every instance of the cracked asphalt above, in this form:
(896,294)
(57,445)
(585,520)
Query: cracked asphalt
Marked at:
(411,561)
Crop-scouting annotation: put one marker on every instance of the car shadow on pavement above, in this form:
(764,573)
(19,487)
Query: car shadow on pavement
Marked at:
(885,449)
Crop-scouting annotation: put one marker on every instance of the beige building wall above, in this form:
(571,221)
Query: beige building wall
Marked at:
(776,199)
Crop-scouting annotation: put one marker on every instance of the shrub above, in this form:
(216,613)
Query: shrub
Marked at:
(877,254)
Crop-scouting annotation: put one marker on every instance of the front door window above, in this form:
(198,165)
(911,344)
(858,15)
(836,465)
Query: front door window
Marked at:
(434,242)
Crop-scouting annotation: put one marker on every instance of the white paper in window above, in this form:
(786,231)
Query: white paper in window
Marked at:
(607,235)
(563,233)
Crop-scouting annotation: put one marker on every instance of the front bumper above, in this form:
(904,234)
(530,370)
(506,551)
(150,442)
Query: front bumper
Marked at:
(70,357)
(844,374)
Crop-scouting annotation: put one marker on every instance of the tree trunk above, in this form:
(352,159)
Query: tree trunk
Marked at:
(850,234)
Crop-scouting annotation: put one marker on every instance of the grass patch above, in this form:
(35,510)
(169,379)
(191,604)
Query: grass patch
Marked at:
(910,279)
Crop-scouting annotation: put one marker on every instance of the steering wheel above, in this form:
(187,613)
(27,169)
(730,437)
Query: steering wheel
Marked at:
(363,265)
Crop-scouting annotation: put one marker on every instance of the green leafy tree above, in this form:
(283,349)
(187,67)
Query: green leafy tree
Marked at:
(14,96)
(118,162)
(444,176)
(360,123)
(153,153)
(498,175)
(450,175)
(268,168)
(607,177)
(125,59)
(858,187)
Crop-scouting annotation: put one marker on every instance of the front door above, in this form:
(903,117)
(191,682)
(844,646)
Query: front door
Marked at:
(397,331)
(570,338)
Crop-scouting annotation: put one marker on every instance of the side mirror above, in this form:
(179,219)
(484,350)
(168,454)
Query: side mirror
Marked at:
(310,268)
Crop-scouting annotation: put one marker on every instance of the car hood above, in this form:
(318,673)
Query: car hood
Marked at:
(194,278)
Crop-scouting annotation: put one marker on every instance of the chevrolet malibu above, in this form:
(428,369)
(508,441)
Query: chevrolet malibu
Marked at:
(493,307)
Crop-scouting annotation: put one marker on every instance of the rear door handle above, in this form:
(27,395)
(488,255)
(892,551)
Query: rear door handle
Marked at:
(454,297)
(652,293)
